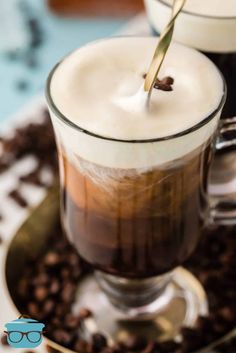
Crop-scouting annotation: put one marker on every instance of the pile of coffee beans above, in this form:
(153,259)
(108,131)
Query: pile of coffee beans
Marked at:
(53,280)
(47,289)
(35,140)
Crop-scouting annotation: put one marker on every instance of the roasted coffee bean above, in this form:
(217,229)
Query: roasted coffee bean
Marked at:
(66,273)
(81,346)
(52,259)
(57,322)
(33,310)
(48,307)
(99,342)
(40,293)
(18,198)
(135,343)
(32,178)
(4,340)
(62,337)
(3,166)
(73,260)
(227,313)
(85,313)
(54,287)
(42,279)
(68,292)
(23,288)
(72,321)
(165,84)
(62,310)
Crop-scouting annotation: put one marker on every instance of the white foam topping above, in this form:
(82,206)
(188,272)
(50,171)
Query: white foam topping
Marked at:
(218,8)
(98,88)
(208,25)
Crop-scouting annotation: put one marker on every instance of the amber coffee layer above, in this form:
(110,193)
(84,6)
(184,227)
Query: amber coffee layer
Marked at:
(136,223)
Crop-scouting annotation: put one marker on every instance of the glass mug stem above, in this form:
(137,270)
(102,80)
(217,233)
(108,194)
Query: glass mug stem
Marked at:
(223,210)
(133,296)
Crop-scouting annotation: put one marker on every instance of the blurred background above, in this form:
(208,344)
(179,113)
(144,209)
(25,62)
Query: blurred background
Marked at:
(35,34)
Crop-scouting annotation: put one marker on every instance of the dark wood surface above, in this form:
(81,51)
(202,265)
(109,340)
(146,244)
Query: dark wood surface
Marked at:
(96,7)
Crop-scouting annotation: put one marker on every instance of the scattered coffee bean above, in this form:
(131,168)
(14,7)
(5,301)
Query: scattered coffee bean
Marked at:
(54,287)
(68,292)
(81,346)
(164,85)
(4,340)
(72,321)
(135,343)
(40,293)
(18,198)
(99,342)
(48,307)
(227,314)
(85,313)
(52,259)
(33,310)
(62,337)
(32,178)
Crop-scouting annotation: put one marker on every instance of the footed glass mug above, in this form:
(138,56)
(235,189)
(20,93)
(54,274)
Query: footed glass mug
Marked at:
(136,225)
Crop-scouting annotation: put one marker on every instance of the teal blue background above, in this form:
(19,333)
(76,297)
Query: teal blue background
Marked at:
(61,36)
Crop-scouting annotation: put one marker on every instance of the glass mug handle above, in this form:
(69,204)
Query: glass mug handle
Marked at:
(223,211)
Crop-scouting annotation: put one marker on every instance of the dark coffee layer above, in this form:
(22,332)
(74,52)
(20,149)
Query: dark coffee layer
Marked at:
(227,65)
(137,225)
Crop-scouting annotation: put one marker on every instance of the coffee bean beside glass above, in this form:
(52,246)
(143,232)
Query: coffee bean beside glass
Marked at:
(134,182)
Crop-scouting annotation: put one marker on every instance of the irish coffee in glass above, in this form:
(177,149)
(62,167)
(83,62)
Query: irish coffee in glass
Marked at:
(134,179)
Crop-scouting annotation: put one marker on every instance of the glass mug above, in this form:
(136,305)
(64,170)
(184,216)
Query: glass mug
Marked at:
(213,35)
(135,226)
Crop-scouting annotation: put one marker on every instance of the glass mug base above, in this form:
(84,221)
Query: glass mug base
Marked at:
(163,304)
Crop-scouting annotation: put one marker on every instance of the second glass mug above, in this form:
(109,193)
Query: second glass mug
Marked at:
(135,225)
